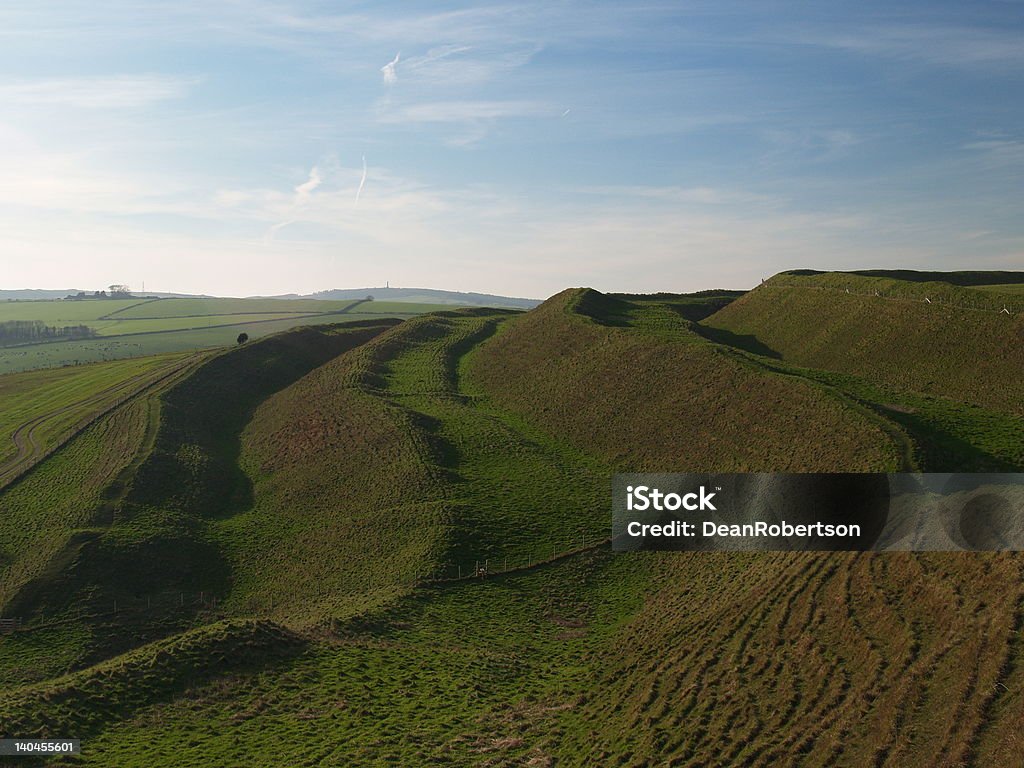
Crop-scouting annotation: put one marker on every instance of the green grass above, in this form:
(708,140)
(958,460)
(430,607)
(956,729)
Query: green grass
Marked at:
(77,523)
(325,478)
(60,399)
(136,328)
(169,308)
(960,346)
(666,400)
(411,684)
(62,312)
(465,483)
(948,436)
(119,327)
(1016,289)
(517,493)
(61,496)
(601,659)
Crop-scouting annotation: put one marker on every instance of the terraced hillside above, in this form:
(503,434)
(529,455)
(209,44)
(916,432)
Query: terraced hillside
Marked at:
(667,400)
(162,528)
(330,492)
(932,338)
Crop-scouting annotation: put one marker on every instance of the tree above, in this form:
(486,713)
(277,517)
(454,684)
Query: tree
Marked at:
(243,337)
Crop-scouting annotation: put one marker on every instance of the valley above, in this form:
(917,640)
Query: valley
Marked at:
(271,552)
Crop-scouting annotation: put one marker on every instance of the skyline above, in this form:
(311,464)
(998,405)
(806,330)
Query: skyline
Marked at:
(518,149)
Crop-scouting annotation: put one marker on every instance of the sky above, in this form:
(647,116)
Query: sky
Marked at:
(242,148)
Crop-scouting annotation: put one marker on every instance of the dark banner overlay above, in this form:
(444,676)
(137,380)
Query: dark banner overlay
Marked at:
(818,512)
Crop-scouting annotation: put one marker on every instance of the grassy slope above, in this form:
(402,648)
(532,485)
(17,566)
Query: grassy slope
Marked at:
(43,510)
(596,659)
(815,660)
(56,509)
(53,402)
(153,524)
(960,346)
(407,482)
(1014,290)
(667,403)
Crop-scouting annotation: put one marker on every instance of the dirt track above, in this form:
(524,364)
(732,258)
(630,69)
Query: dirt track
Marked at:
(30,450)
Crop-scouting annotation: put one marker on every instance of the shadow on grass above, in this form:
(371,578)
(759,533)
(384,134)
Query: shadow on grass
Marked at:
(748,343)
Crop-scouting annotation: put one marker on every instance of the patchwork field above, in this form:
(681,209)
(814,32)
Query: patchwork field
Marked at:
(40,410)
(127,328)
(302,517)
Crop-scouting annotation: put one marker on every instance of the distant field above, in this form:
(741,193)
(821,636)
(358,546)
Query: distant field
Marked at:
(40,408)
(61,312)
(1015,289)
(202,307)
(134,327)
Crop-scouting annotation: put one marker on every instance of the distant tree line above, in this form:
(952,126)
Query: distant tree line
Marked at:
(32,331)
(113,292)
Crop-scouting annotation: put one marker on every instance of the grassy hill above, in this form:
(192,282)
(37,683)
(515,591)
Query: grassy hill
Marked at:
(931,338)
(301,517)
(973,278)
(426,296)
(668,401)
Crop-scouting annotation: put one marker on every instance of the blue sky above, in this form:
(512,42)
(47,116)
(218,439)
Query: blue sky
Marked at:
(515,148)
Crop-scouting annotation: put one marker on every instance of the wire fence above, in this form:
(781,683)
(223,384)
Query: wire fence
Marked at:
(1010,308)
(182,606)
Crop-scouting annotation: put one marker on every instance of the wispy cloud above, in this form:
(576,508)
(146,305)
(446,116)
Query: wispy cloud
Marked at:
(299,200)
(120,91)
(304,190)
(389,70)
(465,111)
(999,152)
(452,66)
(956,46)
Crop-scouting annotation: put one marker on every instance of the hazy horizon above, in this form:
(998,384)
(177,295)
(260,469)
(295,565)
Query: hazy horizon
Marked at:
(517,149)
(149,290)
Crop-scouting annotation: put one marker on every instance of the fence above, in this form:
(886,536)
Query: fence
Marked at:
(9,625)
(1010,307)
(185,606)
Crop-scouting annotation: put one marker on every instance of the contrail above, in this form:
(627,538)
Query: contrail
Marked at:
(362,181)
